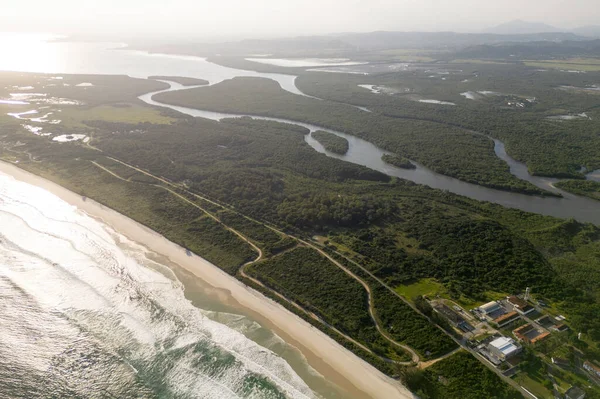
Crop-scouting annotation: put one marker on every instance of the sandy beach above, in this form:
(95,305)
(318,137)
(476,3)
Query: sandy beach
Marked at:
(337,364)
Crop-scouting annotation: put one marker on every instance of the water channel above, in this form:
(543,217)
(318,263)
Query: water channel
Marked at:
(362,152)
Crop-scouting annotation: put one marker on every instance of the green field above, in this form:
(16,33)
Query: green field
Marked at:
(118,113)
(576,64)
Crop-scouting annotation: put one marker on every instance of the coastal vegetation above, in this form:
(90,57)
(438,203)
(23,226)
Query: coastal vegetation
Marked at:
(548,147)
(314,282)
(586,188)
(398,161)
(445,149)
(250,195)
(331,142)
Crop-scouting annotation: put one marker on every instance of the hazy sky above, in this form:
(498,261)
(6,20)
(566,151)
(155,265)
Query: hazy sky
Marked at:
(260,18)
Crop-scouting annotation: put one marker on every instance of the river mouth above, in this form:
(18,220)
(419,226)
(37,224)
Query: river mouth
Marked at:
(363,153)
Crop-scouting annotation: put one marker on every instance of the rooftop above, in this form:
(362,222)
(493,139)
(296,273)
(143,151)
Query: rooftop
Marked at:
(592,366)
(489,307)
(504,317)
(519,303)
(505,345)
(575,392)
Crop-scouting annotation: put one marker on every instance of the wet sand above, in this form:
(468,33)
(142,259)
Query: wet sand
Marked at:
(333,361)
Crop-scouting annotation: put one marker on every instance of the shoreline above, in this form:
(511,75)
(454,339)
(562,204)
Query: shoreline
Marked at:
(330,359)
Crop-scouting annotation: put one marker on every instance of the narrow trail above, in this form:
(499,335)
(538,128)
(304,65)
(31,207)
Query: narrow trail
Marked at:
(110,172)
(415,359)
(243,268)
(309,313)
(424,365)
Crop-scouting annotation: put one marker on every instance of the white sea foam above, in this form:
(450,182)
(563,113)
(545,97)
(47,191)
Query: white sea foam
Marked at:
(88,285)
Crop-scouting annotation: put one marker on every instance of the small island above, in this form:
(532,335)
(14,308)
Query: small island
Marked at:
(332,142)
(182,80)
(398,161)
(586,188)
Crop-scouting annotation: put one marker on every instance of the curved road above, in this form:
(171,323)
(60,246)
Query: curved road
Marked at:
(414,356)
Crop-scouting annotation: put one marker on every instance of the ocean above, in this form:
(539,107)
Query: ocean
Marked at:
(87,313)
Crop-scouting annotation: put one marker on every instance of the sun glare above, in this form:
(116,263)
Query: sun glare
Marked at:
(29,52)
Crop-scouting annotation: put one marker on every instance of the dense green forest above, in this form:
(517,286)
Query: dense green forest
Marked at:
(321,287)
(397,230)
(401,230)
(445,149)
(398,161)
(549,147)
(587,188)
(331,142)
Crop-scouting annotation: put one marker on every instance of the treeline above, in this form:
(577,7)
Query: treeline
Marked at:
(254,144)
(268,240)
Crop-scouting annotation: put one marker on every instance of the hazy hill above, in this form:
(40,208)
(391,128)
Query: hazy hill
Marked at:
(346,43)
(388,40)
(519,27)
(533,50)
(589,31)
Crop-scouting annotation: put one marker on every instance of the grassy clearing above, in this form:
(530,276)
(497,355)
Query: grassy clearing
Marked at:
(577,64)
(120,113)
(432,288)
(475,61)
(425,287)
(534,385)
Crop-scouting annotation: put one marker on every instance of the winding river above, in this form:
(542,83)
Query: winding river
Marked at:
(106,58)
(48,327)
(362,152)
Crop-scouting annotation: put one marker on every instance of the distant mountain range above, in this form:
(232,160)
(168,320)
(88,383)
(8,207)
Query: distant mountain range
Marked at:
(515,37)
(346,43)
(589,31)
(519,27)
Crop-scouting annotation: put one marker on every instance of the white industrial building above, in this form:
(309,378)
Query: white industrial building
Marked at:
(490,307)
(504,348)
